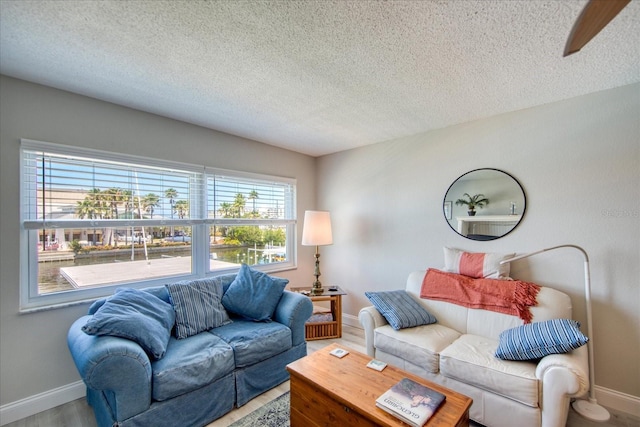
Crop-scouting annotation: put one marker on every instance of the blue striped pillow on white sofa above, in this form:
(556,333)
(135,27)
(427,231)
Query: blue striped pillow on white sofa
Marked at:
(536,340)
(400,309)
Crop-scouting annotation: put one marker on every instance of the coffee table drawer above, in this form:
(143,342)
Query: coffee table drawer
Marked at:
(312,407)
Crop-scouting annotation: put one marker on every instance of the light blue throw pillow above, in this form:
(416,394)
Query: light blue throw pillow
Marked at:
(198,306)
(400,309)
(135,315)
(536,340)
(254,294)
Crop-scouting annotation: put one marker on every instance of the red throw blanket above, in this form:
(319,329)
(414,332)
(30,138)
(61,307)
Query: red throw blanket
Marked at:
(504,296)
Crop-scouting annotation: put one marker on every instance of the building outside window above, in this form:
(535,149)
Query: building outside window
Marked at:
(93,221)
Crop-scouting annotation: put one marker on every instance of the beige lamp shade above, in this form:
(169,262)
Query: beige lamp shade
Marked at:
(317,228)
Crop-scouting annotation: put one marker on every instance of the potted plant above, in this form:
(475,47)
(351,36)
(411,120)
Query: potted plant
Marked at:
(478,200)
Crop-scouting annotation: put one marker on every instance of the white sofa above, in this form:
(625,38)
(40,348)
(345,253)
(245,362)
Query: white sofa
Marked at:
(458,352)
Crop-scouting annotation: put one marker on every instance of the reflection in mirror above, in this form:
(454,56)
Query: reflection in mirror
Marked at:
(484,204)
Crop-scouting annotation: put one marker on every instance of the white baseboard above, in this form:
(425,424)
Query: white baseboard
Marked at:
(619,401)
(351,320)
(41,402)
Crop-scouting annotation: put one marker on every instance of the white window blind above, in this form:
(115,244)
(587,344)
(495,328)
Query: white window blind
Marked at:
(86,187)
(94,220)
(251,198)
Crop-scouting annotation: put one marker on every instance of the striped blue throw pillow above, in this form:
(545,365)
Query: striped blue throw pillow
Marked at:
(198,306)
(400,309)
(539,339)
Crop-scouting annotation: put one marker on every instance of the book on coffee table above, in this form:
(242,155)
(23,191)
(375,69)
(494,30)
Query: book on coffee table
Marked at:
(411,402)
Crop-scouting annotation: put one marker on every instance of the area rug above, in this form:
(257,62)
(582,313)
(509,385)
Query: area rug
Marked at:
(276,414)
(273,414)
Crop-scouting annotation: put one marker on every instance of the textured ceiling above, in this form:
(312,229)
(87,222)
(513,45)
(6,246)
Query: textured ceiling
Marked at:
(317,77)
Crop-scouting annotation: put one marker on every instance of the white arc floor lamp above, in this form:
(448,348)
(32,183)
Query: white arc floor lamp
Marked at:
(317,232)
(587,408)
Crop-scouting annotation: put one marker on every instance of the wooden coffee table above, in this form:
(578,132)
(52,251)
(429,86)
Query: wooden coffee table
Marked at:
(327,391)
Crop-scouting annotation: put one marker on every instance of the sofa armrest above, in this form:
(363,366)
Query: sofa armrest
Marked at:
(117,366)
(562,376)
(293,311)
(370,318)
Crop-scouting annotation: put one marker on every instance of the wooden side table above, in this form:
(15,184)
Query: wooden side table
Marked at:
(329,329)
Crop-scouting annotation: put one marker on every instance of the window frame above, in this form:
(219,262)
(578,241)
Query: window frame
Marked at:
(32,300)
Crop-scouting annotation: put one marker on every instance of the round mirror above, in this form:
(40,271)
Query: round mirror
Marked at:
(484,204)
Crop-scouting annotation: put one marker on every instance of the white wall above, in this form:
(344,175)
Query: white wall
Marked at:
(33,352)
(579,164)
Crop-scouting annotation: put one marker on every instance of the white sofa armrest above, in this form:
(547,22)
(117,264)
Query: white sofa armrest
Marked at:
(370,318)
(562,376)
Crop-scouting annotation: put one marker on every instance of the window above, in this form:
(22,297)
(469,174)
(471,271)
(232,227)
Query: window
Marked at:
(93,221)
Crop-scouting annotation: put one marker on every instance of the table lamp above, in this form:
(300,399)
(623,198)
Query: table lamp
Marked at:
(317,232)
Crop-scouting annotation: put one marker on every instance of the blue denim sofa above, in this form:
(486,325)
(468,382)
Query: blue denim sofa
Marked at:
(199,378)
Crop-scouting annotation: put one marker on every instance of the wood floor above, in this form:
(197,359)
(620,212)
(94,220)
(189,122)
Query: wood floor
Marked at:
(79,414)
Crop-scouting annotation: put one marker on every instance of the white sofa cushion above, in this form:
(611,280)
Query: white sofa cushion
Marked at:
(471,359)
(420,345)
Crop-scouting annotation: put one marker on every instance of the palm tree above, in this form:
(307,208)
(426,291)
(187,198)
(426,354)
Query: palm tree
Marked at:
(94,196)
(114,197)
(150,202)
(238,205)
(253,196)
(90,207)
(182,208)
(225,209)
(127,197)
(84,209)
(172,195)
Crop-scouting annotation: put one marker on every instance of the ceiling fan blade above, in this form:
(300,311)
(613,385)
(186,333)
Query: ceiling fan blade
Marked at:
(594,17)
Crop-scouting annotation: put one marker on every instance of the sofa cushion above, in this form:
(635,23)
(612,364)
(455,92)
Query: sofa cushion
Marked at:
(198,306)
(254,294)
(539,339)
(252,341)
(420,345)
(135,315)
(400,309)
(190,364)
(470,359)
(476,264)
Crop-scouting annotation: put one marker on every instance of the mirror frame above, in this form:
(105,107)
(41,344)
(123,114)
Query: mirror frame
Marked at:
(448,203)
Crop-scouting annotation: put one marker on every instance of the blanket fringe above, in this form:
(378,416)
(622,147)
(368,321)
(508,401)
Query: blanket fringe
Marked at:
(526,295)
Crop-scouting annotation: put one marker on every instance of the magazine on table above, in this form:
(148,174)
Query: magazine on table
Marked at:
(411,402)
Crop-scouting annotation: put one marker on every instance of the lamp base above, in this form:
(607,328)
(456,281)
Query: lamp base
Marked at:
(317,289)
(591,410)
